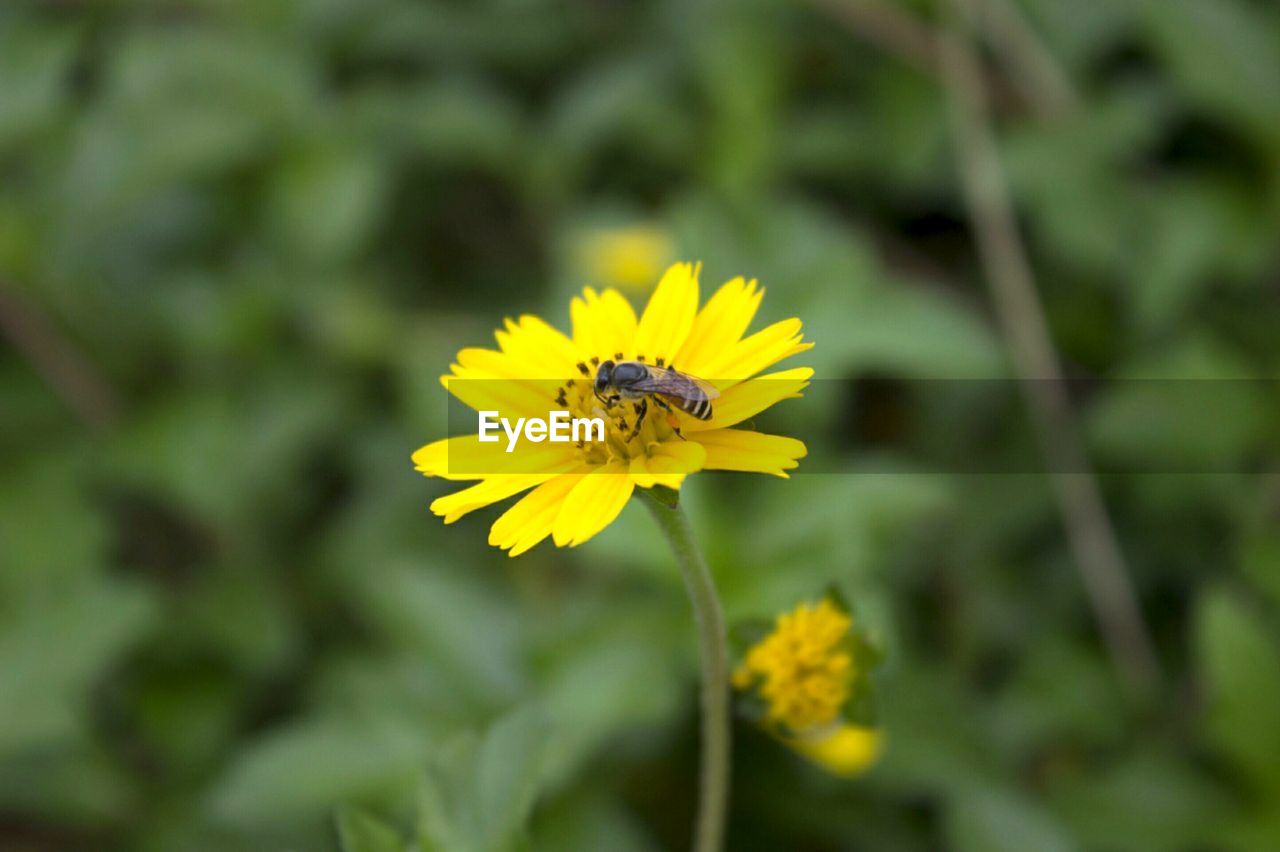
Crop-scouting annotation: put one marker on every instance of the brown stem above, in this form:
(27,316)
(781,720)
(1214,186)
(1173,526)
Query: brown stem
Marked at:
(58,361)
(903,35)
(1028,63)
(1013,292)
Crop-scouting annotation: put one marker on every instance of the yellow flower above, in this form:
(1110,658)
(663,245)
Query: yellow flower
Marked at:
(630,257)
(846,750)
(803,669)
(578,490)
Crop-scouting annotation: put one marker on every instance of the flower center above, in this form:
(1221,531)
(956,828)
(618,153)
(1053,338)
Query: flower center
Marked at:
(632,424)
(801,668)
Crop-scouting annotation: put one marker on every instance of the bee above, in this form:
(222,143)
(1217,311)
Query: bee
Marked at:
(666,386)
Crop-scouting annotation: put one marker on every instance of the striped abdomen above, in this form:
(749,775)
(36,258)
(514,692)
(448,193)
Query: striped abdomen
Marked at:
(695,403)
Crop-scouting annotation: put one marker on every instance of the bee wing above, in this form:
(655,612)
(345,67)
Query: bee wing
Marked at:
(709,389)
(661,381)
(674,383)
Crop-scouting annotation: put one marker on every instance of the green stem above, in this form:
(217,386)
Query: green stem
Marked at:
(714,785)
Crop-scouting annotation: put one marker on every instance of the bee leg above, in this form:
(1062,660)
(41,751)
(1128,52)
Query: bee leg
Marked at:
(672,421)
(642,408)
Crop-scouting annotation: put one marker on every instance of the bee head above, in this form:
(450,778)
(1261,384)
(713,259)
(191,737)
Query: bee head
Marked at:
(603,376)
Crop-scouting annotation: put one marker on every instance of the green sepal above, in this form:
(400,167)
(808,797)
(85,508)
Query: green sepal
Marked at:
(836,595)
(868,653)
(749,706)
(862,708)
(745,634)
(668,497)
(360,831)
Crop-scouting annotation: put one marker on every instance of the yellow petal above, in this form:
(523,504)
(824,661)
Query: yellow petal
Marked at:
(668,463)
(758,352)
(487,365)
(530,519)
(848,751)
(492,361)
(511,398)
(592,504)
(491,490)
(754,452)
(719,325)
(749,398)
(501,365)
(466,457)
(669,316)
(603,324)
(545,352)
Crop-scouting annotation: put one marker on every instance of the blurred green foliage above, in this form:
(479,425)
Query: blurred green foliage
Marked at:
(267,225)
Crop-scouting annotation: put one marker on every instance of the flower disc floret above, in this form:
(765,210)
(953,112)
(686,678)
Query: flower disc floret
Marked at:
(803,669)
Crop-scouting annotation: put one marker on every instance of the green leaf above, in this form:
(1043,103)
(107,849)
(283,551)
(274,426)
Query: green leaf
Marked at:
(1225,56)
(1189,408)
(909,329)
(1194,231)
(1238,658)
(446,816)
(993,820)
(34,63)
(445,616)
(1149,802)
(326,200)
(1079,33)
(359,831)
(477,793)
(1260,562)
(309,768)
(52,651)
(49,528)
(510,763)
(608,685)
(592,819)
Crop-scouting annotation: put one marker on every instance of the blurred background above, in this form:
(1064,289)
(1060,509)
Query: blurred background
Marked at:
(241,239)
